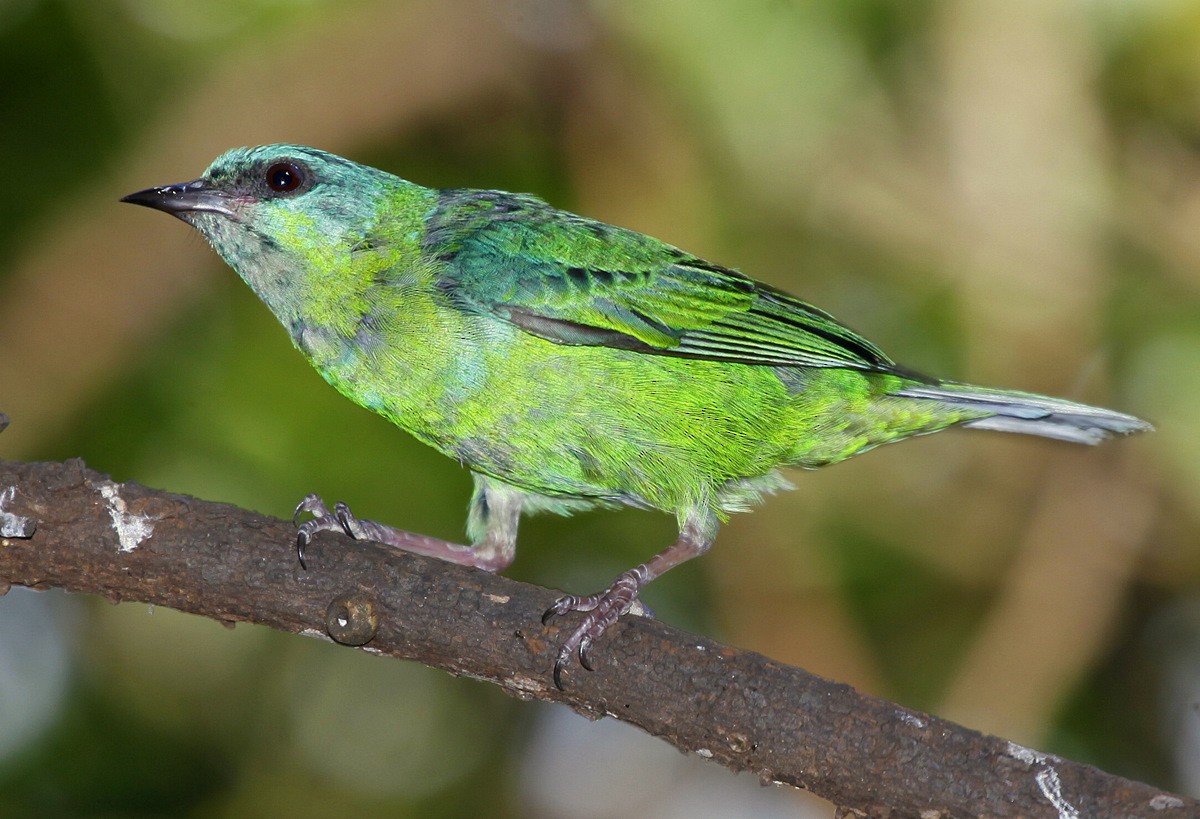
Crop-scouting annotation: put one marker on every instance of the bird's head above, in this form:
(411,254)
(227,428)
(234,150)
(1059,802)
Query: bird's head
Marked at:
(276,211)
(273,191)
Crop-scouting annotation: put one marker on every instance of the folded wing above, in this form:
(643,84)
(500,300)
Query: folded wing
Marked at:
(576,281)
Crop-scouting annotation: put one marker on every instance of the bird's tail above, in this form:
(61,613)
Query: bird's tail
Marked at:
(1029,413)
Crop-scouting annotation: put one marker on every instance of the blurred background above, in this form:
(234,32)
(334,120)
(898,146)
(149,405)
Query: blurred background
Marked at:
(1001,191)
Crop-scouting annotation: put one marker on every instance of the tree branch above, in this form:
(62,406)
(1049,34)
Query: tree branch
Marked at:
(64,525)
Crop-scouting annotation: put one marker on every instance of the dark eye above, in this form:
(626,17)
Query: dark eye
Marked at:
(284,177)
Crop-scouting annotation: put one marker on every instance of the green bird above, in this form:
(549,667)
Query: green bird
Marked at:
(567,362)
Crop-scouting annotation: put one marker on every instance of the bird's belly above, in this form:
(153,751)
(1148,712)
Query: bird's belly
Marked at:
(612,425)
(588,422)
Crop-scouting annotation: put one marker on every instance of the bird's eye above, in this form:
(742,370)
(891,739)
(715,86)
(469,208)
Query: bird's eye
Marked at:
(284,177)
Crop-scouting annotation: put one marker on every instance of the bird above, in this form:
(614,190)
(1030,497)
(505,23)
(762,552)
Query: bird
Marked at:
(566,362)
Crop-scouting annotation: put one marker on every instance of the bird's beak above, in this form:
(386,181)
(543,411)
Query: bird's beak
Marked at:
(186,197)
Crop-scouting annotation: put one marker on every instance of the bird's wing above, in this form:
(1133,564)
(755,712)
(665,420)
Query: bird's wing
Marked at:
(576,281)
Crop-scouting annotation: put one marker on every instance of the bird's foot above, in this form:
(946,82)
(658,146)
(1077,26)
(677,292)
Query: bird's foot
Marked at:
(492,554)
(341,519)
(603,610)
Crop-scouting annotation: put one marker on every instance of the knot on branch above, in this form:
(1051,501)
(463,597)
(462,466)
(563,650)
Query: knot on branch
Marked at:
(352,619)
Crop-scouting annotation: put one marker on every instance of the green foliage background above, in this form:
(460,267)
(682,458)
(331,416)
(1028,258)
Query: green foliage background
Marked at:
(1000,192)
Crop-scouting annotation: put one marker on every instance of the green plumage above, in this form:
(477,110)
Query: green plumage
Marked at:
(565,361)
(565,356)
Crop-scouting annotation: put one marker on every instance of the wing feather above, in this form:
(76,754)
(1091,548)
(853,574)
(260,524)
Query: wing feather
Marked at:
(576,281)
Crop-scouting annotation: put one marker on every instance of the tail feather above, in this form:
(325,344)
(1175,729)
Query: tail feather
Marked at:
(1029,413)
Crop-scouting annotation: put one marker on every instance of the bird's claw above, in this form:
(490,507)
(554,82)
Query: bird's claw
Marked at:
(602,609)
(341,519)
(314,505)
(585,657)
(566,603)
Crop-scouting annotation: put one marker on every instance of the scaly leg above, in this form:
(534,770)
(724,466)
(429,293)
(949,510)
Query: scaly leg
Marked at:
(695,536)
(495,511)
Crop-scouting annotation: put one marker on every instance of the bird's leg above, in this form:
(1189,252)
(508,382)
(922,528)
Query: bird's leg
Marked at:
(603,609)
(495,511)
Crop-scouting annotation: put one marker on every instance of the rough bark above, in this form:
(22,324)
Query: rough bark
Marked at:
(64,525)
